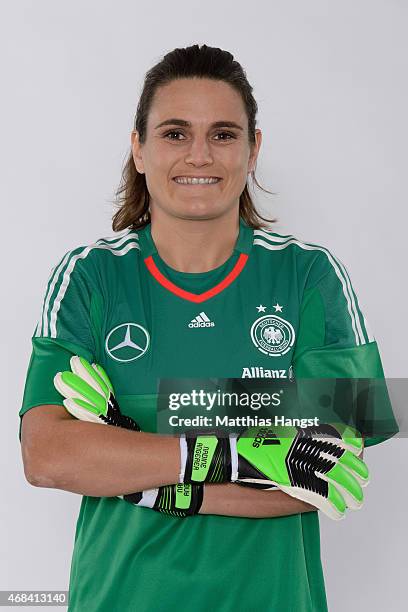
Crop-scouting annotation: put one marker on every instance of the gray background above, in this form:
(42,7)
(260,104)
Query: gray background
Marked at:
(330,81)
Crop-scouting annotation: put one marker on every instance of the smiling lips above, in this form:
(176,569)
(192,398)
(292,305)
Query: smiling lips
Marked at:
(192,180)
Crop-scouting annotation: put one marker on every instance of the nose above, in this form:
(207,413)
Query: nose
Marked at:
(199,152)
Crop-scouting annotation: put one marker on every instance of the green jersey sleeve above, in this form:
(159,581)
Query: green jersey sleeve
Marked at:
(335,341)
(65,328)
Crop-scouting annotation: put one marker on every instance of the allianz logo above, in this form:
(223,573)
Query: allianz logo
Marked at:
(201,320)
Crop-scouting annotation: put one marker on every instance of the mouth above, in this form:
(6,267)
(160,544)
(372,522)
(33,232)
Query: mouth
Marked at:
(197,181)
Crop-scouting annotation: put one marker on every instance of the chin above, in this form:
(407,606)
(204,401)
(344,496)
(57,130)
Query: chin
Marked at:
(197,212)
(201,215)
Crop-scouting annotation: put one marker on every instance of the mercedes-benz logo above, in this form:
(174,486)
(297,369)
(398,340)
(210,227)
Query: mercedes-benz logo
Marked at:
(127,342)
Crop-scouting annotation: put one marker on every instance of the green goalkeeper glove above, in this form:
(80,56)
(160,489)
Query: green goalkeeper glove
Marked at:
(89,396)
(315,464)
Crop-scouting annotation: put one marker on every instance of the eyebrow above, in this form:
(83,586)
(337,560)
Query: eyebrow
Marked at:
(184,123)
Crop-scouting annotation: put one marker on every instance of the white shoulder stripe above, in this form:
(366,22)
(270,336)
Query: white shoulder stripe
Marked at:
(369,331)
(119,239)
(339,270)
(40,320)
(113,241)
(50,291)
(353,299)
(67,276)
(272,236)
(112,246)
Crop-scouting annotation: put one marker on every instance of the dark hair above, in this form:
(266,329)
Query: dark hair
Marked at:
(200,62)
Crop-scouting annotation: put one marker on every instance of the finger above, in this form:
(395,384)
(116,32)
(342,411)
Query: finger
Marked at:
(351,438)
(344,479)
(71,385)
(99,369)
(353,445)
(357,466)
(334,505)
(352,463)
(82,410)
(62,384)
(84,370)
(351,503)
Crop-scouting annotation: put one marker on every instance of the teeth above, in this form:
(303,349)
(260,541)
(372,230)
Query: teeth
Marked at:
(183,180)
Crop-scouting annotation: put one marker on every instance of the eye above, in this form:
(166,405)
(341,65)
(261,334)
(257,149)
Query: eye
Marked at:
(226,135)
(171,132)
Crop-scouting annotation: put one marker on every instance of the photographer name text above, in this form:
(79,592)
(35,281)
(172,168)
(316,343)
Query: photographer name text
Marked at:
(243,421)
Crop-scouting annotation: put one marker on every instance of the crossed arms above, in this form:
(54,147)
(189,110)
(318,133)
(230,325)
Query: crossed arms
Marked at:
(61,452)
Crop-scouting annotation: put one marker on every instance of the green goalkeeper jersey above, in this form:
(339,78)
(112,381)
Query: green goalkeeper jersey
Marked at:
(277,306)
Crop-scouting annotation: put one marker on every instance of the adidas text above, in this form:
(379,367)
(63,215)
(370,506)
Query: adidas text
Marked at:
(201,320)
(201,324)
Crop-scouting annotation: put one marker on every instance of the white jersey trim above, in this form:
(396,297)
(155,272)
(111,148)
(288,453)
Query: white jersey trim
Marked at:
(113,245)
(338,266)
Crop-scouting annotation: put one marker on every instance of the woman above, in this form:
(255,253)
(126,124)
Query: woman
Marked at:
(183,291)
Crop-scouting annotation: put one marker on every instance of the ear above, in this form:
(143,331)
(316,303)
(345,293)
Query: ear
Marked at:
(255,151)
(137,151)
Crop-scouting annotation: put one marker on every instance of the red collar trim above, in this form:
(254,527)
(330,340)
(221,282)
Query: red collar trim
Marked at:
(193,297)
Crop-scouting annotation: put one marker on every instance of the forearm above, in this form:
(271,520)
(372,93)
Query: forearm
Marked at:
(235,500)
(104,461)
(100,461)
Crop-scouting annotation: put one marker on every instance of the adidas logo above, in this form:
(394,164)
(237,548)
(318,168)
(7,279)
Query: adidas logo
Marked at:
(201,320)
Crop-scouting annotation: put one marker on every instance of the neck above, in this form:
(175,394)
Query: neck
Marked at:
(195,245)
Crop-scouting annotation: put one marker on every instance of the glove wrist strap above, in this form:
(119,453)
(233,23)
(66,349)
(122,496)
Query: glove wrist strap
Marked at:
(175,500)
(180,499)
(206,457)
(183,457)
(234,458)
